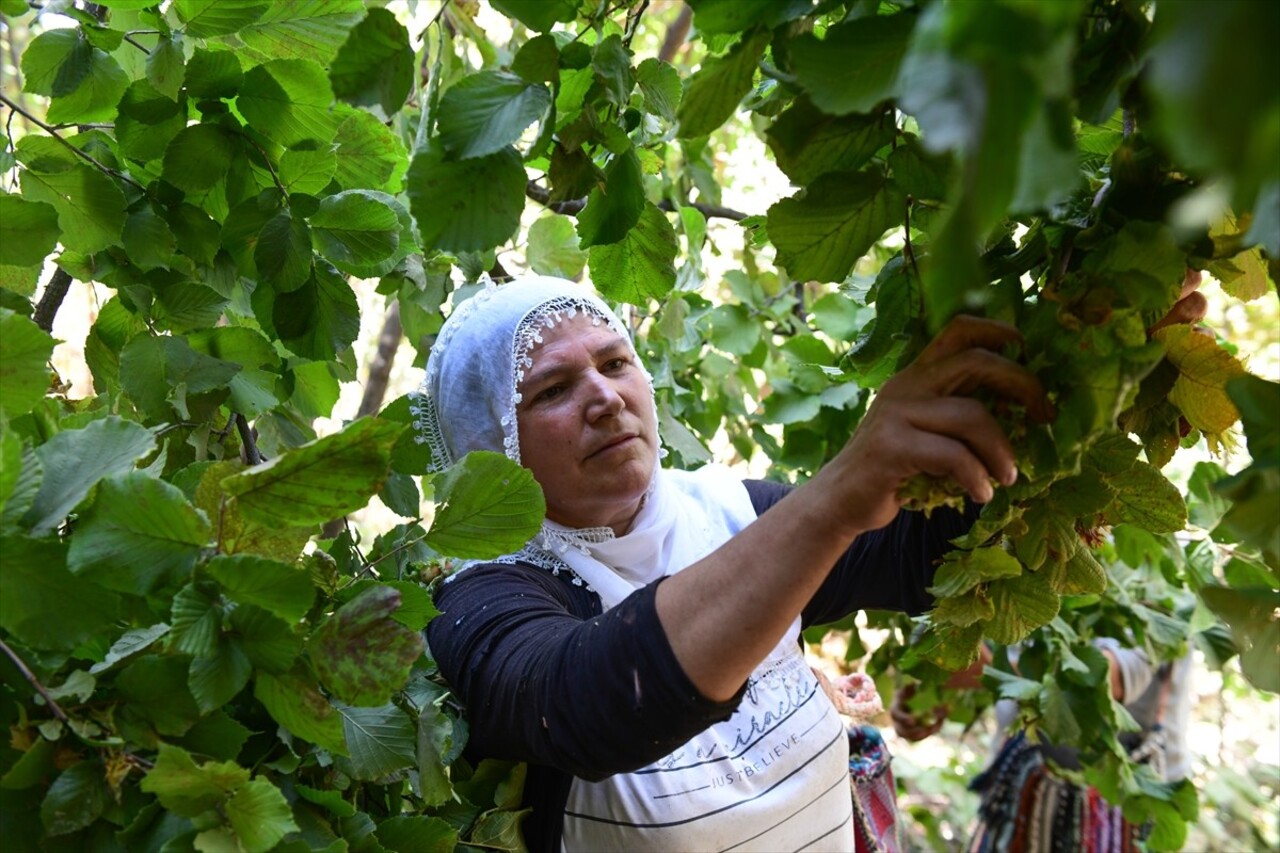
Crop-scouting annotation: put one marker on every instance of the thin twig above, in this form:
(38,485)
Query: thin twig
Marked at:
(136,44)
(633,23)
(54,133)
(906,235)
(35,682)
(573,207)
(375,386)
(270,168)
(252,456)
(51,301)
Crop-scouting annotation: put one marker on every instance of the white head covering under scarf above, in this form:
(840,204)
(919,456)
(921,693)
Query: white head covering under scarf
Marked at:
(468,402)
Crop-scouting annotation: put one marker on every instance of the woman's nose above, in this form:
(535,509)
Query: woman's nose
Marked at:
(603,398)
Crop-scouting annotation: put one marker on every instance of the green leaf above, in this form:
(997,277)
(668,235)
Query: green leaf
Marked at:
(417,834)
(148,121)
(1080,574)
(90,206)
(28,233)
(284,590)
(1147,255)
(216,735)
(95,97)
(148,240)
(1251,613)
(299,706)
(611,64)
(158,373)
(213,74)
(167,66)
(716,89)
(355,228)
(732,16)
(659,82)
(288,101)
(961,571)
(1204,369)
(24,353)
(360,653)
(75,460)
(139,532)
(807,143)
(823,231)
(380,740)
(198,157)
(32,767)
(302,29)
(553,248)
(11,453)
(282,254)
(260,816)
(486,506)
(189,790)
(56,62)
(964,610)
(323,479)
(130,643)
(486,112)
(76,799)
(640,266)
(369,155)
(215,680)
(41,603)
(268,642)
(540,15)
(1021,604)
(332,801)
(197,620)
(469,205)
(1146,498)
(855,67)
(155,688)
(186,306)
(614,209)
(307,171)
(538,60)
(375,63)
(320,319)
(205,18)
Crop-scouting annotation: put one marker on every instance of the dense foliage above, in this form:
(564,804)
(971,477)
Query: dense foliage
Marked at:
(199,653)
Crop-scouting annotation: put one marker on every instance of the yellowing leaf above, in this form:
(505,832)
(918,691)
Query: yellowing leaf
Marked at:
(1204,368)
(1021,604)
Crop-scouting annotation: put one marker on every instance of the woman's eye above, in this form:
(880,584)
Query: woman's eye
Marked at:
(615,364)
(548,394)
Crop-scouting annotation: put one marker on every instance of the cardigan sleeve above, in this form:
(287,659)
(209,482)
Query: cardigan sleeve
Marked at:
(886,569)
(590,696)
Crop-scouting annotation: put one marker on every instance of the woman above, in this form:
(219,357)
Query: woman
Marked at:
(642,651)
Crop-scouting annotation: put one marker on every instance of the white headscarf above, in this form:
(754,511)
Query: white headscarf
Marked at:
(468,402)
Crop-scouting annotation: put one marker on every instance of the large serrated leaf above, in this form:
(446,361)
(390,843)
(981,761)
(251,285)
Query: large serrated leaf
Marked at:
(286,591)
(90,206)
(375,63)
(961,571)
(487,506)
(822,232)
(360,653)
(355,228)
(613,209)
(323,479)
(288,101)
(187,789)
(198,157)
(259,815)
(24,352)
(204,18)
(28,231)
(640,267)
(716,89)
(310,30)
(44,605)
(298,705)
(1204,369)
(75,460)
(485,112)
(855,66)
(467,205)
(808,143)
(1021,604)
(1145,497)
(140,532)
(380,740)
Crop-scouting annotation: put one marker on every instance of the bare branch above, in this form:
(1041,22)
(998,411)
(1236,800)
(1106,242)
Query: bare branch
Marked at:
(677,33)
(51,301)
(35,682)
(375,386)
(252,456)
(574,206)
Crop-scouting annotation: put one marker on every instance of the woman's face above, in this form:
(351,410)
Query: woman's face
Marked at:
(586,425)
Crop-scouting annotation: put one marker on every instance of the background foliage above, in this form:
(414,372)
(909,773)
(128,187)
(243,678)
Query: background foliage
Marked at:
(201,653)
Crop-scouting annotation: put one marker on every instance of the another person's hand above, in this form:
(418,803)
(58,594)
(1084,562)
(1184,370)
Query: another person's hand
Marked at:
(925,420)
